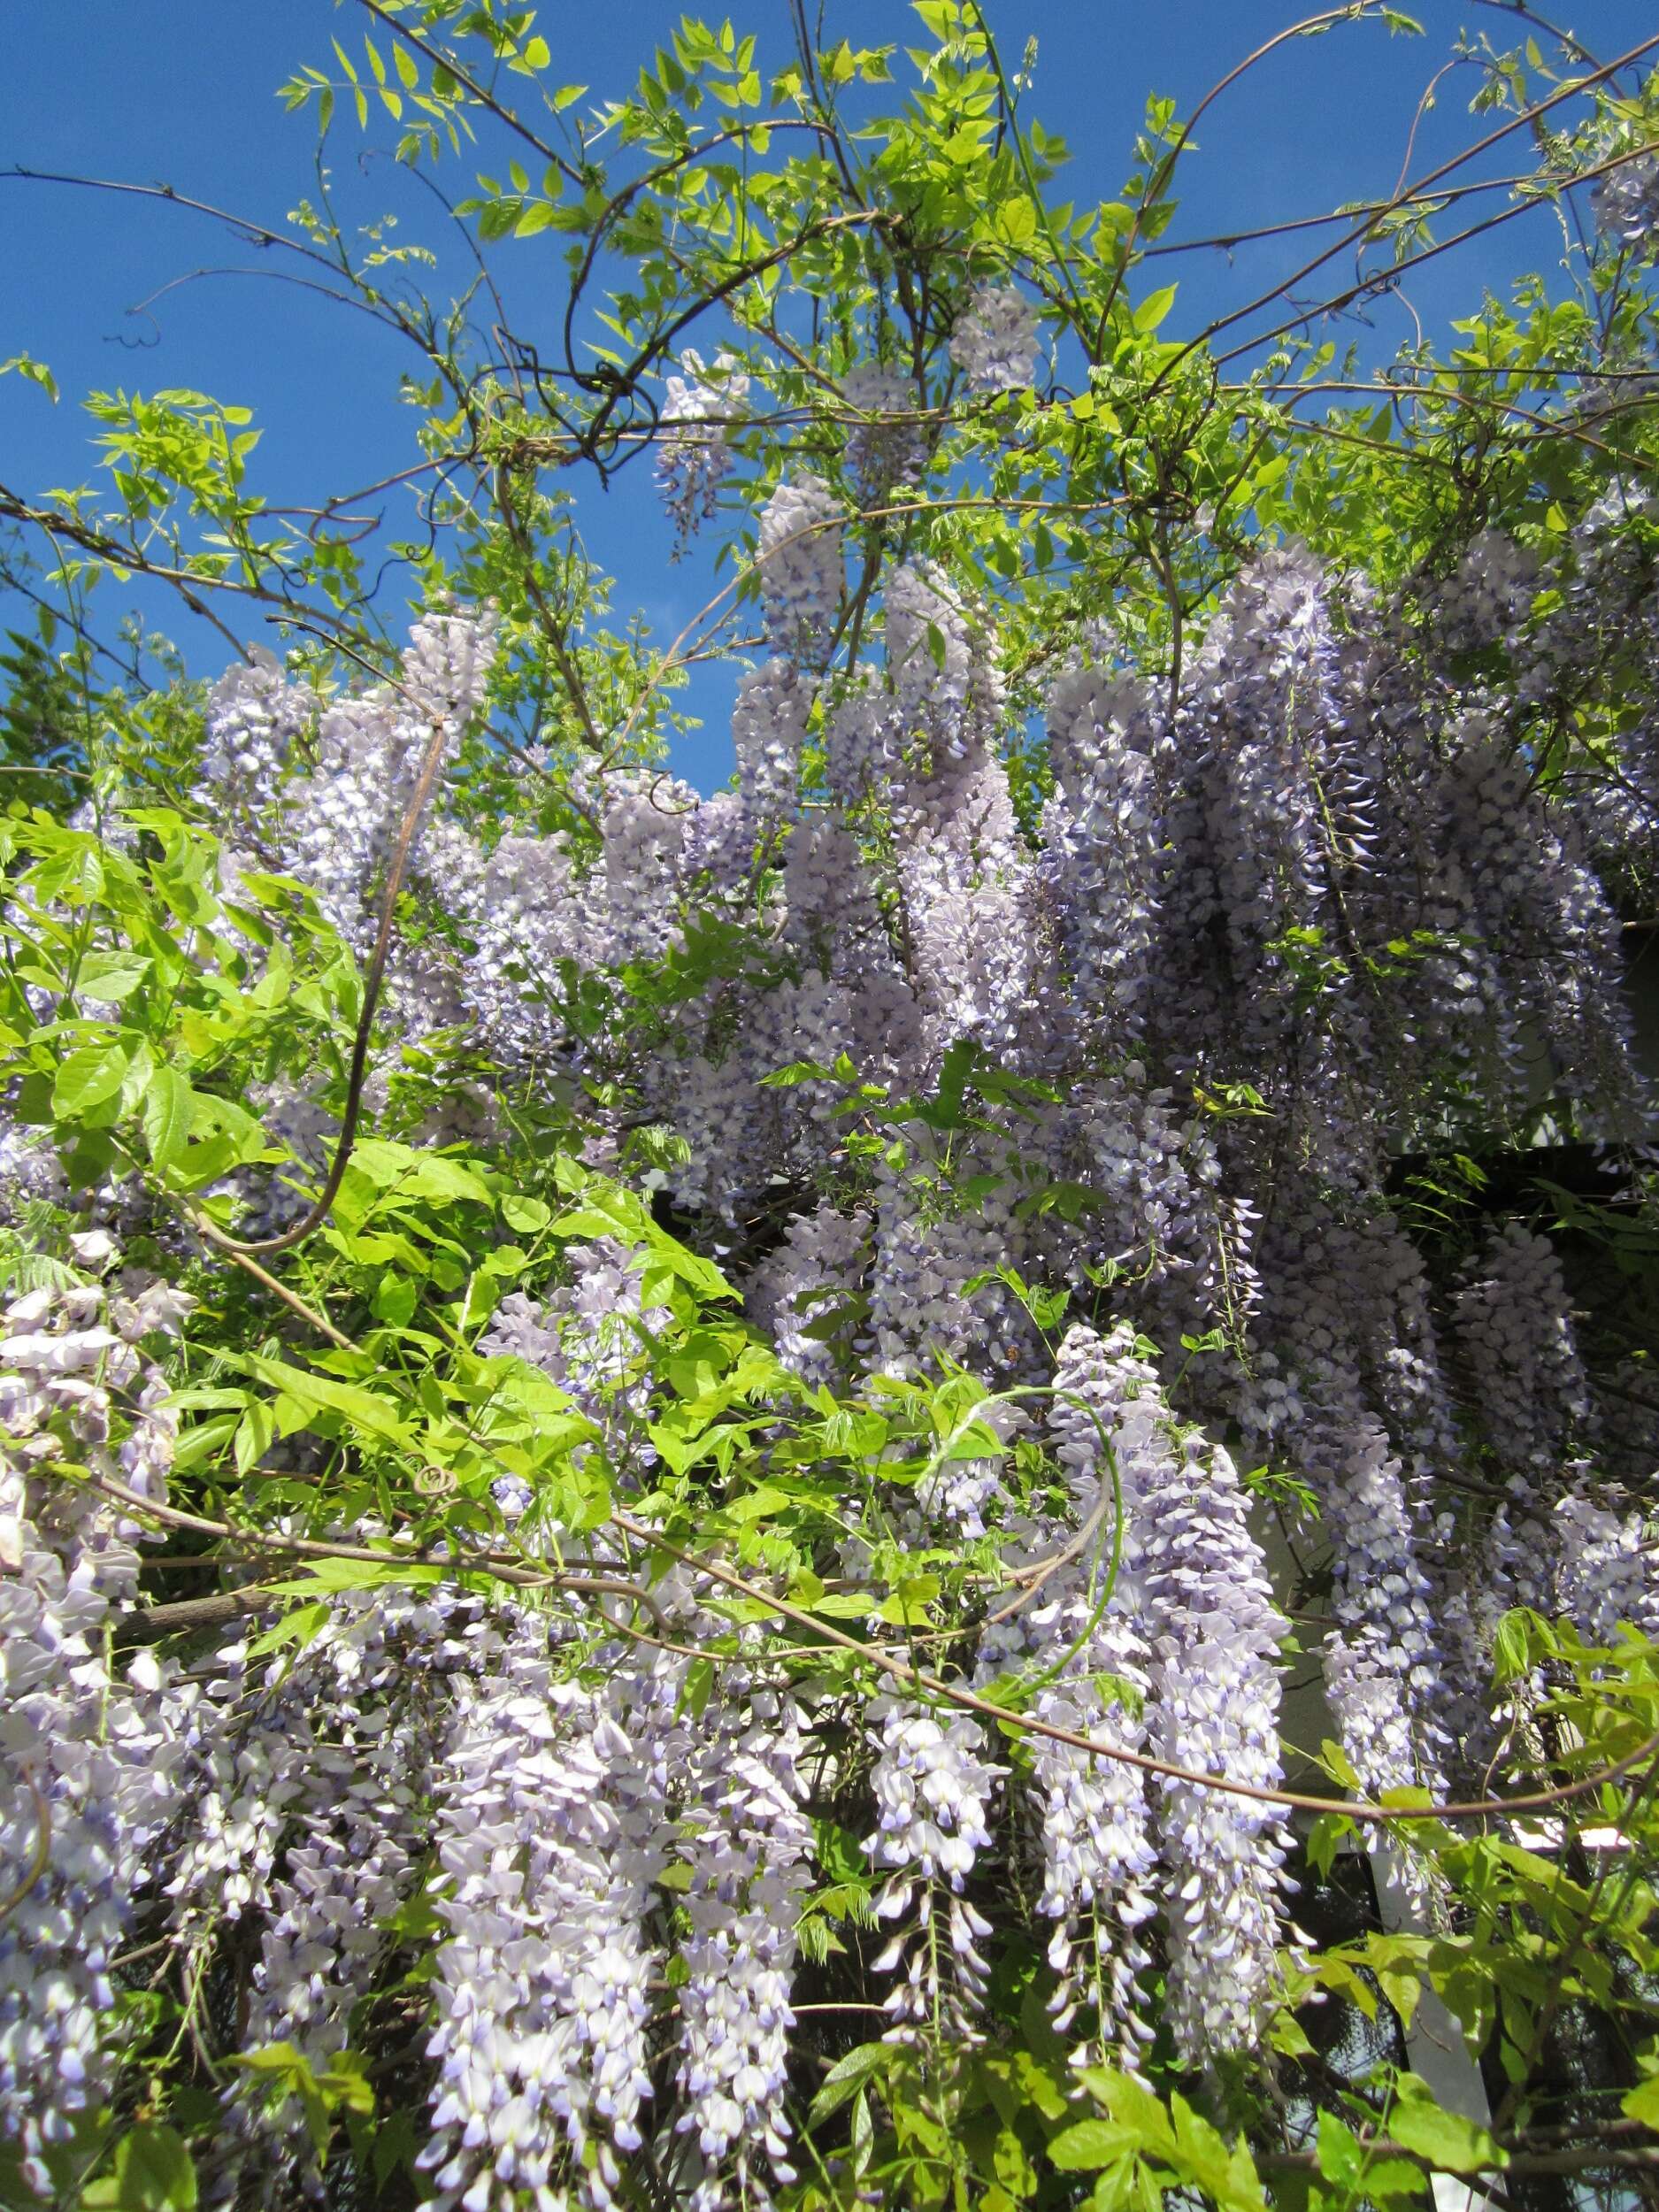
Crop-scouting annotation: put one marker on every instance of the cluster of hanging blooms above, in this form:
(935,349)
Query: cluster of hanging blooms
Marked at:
(801,576)
(887,445)
(933,1787)
(89,1778)
(995,343)
(549,1819)
(1626,198)
(701,407)
(747,1841)
(1174,1654)
(1090,1103)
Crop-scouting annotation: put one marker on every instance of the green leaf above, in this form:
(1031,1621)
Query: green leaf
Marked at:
(907,1606)
(289,2072)
(847,2075)
(111,975)
(298,1626)
(1401,1989)
(318,1393)
(169,1115)
(1016,223)
(1387,2177)
(255,1433)
(1090,2143)
(1154,308)
(412,1174)
(88,1077)
(846,1605)
(612,1212)
(526,1215)
(37,371)
(344,2084)
(1228,2175)
(395,1300)
(1342,2154)
(761,1503)
(1643,2103)
(334,1575)
(1179,2138)
(1446,2140)
(203,1441)
(152,2171)
(797,1072)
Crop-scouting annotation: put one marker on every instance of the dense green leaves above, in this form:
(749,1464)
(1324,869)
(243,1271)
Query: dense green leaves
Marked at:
(152,2170)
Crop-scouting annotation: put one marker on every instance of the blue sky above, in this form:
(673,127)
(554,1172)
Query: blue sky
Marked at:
(182,92)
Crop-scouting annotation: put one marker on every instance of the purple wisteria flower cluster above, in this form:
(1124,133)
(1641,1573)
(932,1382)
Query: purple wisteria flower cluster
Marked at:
(995,343)
(1052,1039)
(701,407)
(88,1780)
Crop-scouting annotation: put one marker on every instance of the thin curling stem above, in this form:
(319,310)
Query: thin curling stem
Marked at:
(40,1858)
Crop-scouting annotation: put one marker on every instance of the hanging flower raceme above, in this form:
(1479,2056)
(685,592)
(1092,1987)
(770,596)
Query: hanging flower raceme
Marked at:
(768,732)
(995,342)
(88,1782)
(799,557)
(1515,1335)
(1079,1632)
(1626,200)
(255,720)
(591,1336)
(700,406)
(1195,1586)
(543,1975)
(748,1848)
(804,1289)
(330,807)
(932,1787)
(1103,835)
(887,445)
(1338,1318)
(1603,1569)
(308,1788)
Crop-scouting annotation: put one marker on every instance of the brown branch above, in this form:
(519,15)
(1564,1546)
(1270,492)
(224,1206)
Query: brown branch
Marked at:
(552,629)
(1384,280)
(187,1614)
(257,232)
(1415,192)
(210,1233)
(966,1700)
(1581,2158)
(1227,240)
(1157,182)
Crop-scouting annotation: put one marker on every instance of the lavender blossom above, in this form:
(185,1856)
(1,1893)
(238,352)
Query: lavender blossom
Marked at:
(694,452)
(995,342)
(799,558)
